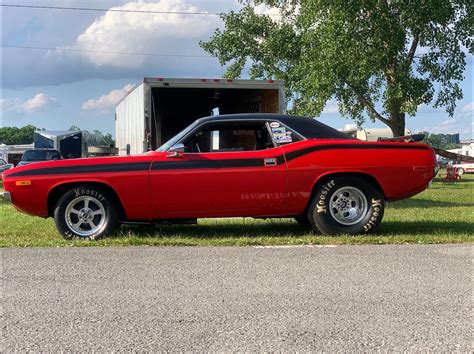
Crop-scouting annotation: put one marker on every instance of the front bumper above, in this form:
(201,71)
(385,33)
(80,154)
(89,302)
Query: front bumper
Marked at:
(6,197)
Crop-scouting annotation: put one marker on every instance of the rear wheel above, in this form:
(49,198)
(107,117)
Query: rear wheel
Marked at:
(85,213)
(346,205)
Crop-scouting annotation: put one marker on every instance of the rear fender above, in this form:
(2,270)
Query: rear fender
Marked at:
(326,177)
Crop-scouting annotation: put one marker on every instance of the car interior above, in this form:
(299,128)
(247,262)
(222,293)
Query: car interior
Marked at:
(230,136)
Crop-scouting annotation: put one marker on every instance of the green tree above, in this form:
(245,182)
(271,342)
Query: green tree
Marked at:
(440,141)
(380,58)
(16,136)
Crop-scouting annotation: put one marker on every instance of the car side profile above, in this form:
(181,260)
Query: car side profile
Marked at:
(4,165)
(463,168)
(244,165)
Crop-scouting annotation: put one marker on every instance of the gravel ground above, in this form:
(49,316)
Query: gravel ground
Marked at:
(345,298)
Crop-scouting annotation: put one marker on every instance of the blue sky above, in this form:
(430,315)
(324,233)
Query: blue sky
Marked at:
(54,89)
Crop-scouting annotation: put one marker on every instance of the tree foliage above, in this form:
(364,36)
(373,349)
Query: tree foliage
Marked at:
(441,141)
(26,135)
(17,136)
(378,58)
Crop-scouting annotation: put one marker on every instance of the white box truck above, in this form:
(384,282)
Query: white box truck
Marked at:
(156,109)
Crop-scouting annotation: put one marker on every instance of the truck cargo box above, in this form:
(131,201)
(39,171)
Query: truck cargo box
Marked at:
(157,109)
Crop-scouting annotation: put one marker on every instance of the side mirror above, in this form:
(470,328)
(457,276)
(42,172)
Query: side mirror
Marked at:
(176,150)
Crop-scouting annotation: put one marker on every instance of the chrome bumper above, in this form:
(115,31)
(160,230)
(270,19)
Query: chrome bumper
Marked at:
(5,196)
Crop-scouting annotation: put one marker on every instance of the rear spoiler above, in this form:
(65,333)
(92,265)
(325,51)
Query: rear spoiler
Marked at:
(453,156)
(419,137)
(404,139)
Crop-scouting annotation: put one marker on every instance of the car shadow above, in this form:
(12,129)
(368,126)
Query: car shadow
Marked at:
(427,227)
(221,229)
(284,228)
(425,203)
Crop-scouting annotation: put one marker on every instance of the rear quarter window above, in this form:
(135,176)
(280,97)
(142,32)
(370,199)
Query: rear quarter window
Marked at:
(312,129)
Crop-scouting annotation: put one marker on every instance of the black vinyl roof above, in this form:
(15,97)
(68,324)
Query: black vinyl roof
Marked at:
(308,127)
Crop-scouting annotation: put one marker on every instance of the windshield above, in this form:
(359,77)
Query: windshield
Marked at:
(166,146)
(40,155)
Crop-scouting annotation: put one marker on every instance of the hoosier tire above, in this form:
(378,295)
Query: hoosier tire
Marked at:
(86,213)
(346,205)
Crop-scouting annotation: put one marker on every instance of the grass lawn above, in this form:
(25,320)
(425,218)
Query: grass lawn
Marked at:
(442,214)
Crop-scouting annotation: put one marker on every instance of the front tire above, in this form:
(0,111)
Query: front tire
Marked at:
(346,205)
(460,171)
(86,213)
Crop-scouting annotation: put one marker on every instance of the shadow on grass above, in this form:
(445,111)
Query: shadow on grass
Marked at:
(425,228)
(218,230)
(285,229)
(426,203)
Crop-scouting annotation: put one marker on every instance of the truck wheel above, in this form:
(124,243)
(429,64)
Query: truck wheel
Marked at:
(85,213)
(346,205)
(460,171)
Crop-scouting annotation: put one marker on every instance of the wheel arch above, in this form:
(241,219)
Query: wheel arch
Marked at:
(327,176)
(58,190)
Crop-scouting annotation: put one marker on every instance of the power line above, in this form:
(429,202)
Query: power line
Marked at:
(111,10)
(116,10)
(105,52)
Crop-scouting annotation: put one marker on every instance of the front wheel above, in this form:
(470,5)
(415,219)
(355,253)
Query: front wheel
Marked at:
(460,171)
(346,205)
(85,213)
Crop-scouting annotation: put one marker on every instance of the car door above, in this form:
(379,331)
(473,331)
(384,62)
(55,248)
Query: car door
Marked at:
(227,169)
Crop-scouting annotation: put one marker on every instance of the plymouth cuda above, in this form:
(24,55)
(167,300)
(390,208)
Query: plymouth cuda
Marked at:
(243,165)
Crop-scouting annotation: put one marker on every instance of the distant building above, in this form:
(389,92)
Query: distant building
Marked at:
(452,138)
(467,147)
(371,134)
(13,153)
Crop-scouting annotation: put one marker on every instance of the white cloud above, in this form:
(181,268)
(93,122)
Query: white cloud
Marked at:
(107,101)
(38,103)
(331,108)
(448,122)
(469,107)
(145,33)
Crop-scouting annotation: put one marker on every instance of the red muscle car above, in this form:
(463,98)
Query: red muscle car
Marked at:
(257,165)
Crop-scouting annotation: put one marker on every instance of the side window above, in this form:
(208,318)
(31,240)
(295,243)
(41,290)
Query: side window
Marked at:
(283,135)
(230,137)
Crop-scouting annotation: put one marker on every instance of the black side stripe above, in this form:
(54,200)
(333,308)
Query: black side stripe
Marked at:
(121,167)
(298,153)
(210,164)
(229,163)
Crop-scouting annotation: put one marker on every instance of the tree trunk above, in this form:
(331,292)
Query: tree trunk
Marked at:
(396,121)
(397,124)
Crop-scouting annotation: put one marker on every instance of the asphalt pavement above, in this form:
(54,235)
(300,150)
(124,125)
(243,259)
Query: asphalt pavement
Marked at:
(345,298)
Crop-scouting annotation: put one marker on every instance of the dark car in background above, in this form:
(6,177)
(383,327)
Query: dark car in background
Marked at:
(4,165)
(37,155)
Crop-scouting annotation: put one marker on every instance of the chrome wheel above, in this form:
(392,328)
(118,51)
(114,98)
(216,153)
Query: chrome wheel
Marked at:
(85,216)
(348,205)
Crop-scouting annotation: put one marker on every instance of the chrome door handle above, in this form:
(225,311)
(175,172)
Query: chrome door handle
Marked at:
(270,162)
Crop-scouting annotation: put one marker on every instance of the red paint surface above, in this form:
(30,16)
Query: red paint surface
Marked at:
(278,190)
